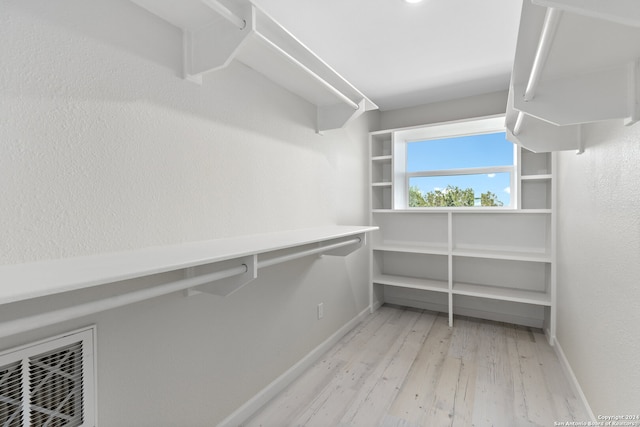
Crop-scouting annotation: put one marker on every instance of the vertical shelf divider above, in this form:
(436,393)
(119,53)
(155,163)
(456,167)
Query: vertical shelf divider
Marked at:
(450,265)
(551,334)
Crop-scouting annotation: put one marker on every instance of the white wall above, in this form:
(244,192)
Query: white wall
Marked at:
(104,147)
(599,266)
(437,112)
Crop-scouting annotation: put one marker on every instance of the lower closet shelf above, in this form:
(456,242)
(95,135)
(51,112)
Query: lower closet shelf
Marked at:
(507,255)
(503,294)
(411,282)
(467,289)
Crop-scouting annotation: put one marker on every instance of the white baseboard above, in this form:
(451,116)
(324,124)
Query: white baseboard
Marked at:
(566,367)
(244,412)
(376,305)
(550,338)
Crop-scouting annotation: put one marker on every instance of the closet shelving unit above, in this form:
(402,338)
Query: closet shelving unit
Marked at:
(495,263)
(381,170)
(576,62)
(216,32)
(219,267)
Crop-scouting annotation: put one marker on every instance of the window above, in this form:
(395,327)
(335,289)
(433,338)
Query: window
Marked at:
(49,383)
(456,165)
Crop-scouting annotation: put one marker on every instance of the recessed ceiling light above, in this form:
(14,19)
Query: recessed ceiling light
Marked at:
(412,1)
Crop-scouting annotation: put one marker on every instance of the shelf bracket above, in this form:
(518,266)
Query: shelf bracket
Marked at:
(340,248)
(540,136)
(337,116)
(190,273)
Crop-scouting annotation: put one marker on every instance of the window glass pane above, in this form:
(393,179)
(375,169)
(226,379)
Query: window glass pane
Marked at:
(474,151)
(493,189)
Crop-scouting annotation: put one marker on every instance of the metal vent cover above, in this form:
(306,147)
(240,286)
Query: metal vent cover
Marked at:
(49,383)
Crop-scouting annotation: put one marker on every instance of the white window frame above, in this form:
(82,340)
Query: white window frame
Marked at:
(478,126)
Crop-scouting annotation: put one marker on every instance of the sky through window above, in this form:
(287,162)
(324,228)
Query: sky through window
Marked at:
(474,151)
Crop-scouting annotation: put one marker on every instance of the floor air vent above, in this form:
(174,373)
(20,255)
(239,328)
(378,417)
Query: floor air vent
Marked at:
(49,383)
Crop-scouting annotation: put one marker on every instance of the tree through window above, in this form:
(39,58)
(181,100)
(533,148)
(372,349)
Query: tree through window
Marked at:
(470,170)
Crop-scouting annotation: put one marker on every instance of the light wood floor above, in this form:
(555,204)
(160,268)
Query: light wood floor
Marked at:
(406,368)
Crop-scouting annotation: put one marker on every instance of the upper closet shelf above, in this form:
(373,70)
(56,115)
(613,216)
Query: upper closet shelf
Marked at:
(215,34)
(220,267)
(576,62)
(48,277)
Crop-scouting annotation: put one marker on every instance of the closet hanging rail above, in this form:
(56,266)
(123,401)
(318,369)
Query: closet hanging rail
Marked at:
(304,68)
(217,32)
(25,324)
(241,24)
(302,254)
(237,261)
(551,21)
(517,127)
(549,27)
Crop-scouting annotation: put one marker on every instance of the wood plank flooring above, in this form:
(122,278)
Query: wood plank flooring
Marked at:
(404,367)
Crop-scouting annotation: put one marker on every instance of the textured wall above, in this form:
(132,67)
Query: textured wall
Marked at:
(104,147)
(599,266)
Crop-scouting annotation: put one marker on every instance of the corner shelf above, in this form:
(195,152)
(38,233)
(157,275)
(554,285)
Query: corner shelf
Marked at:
(557,85)
(215,34)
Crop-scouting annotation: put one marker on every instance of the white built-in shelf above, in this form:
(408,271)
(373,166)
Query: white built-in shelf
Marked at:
(511,255)
(411,282)
(462,211)
(416,248)
(215,33)
(502,293)
(426,248)
(576,62)
(542,177)
(42,278)
(493,253)
(480,291)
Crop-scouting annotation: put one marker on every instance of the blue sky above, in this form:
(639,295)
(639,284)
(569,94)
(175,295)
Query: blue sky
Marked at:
(463,152)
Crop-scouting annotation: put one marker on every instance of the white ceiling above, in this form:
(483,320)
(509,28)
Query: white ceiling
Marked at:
(402,55)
